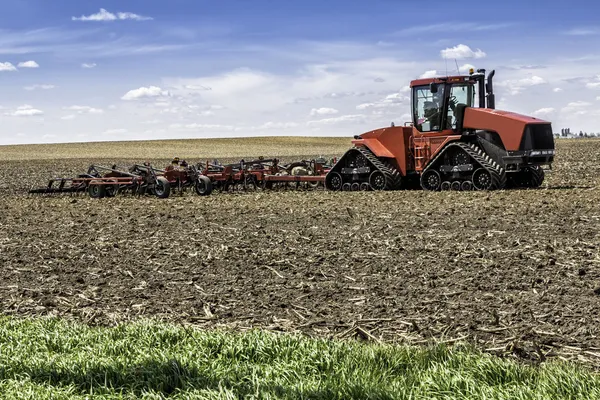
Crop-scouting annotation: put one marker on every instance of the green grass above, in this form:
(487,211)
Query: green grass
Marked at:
(50,358)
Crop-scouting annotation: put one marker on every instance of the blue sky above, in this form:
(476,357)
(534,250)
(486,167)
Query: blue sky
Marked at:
(116,70)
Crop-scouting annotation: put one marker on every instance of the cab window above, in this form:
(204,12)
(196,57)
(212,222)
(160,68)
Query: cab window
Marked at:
(427,108)
(459,94)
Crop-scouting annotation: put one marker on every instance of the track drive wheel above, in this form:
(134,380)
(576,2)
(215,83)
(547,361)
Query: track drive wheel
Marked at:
(203,186)
(333,181)
(482,179)
(431,180)
(377,180)
(162,189)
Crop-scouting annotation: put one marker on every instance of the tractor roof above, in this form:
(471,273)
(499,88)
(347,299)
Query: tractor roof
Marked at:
(442,79)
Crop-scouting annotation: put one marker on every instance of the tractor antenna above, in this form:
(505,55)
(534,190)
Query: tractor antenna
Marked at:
(457,69)
(446,59)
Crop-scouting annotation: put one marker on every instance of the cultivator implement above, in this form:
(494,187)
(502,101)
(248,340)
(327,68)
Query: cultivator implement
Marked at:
(101,181)
(144,179)
(266,174)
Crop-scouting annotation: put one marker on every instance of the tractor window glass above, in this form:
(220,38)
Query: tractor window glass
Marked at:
(459,94)
(427,108)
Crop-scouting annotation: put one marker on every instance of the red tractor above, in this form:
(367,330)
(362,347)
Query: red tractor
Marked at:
(454,142)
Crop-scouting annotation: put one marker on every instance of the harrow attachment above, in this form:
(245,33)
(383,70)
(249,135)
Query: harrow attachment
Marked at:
(267,174)
(143,179)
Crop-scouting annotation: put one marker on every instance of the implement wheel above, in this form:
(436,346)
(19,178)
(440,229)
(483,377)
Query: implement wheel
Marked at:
(162,189)
(96,191)
(203,186)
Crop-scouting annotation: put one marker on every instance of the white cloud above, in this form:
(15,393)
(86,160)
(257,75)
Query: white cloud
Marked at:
(428,74)
(391,100)
(579,104)
(532,81)
(518,85)
(464,69)
(343,118)
(461,51)
(202,126)
(84,109)
(6,66)
(544,111)
(279,125)
(25,111)
(68,117)
(88,65)
(28,64)
(104,15)
(42,87)
(135,17)
(323,111)
(557,90)
(575,108)
(583,31)
(593,85)
(451,27)
(598,98)
(365,106)
(146,92)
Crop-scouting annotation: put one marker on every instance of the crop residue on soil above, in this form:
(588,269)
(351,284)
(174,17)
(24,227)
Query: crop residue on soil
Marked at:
(512,271)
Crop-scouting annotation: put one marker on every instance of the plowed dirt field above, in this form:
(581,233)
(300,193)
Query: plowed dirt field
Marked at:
(514,272)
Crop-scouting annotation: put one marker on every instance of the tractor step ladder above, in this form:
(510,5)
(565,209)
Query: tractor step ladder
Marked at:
(422,148)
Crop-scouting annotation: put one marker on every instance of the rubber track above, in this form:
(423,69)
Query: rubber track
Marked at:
(483,159)
(393,178)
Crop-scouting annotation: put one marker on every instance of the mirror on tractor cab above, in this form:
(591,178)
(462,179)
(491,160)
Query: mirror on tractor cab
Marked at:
(433,87)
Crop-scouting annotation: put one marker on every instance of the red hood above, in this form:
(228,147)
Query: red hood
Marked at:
(508,125)
(514,116)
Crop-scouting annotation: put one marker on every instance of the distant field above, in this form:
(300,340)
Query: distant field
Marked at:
(189,148)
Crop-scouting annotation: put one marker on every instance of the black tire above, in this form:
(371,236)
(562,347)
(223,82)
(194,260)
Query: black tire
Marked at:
(466,186)
(482,179)
(530,177)
(445,185)
(96,191)
(431,180)
(333,181)
(365,186)
(355,187)
(377,180)
(162,188)
(203,186)
(455,186)
(250,182)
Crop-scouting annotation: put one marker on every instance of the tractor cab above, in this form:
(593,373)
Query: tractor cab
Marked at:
(438,103)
